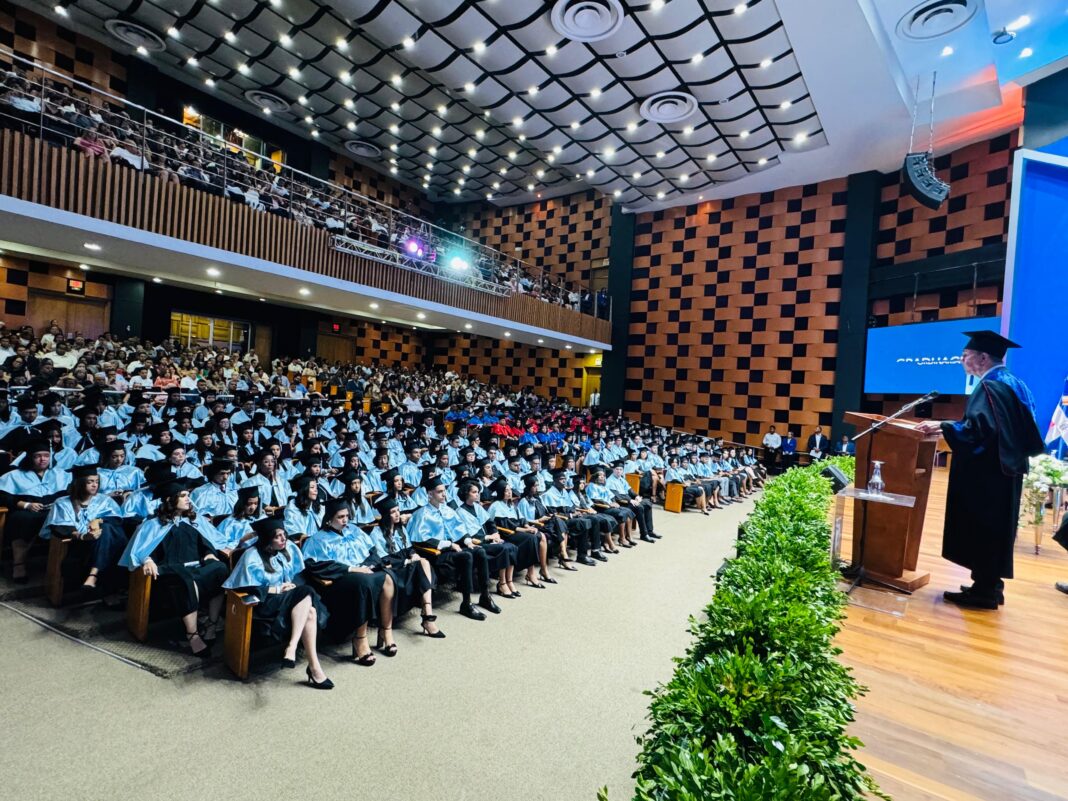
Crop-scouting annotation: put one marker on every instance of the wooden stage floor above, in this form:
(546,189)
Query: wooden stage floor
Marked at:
(966,705)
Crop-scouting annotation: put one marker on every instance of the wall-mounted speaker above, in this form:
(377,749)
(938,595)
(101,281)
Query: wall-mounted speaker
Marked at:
(919,177)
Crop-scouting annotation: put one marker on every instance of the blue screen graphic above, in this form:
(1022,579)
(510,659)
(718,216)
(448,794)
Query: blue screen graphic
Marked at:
(920,358)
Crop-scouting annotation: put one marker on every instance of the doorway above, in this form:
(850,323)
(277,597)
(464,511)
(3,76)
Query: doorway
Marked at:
(591,383)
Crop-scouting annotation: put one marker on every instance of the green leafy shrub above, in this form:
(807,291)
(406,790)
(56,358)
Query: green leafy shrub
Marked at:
(758,708)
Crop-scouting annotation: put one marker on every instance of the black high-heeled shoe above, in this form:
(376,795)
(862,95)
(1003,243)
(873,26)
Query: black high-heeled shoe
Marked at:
(437,635)
(325,684)
(204,653)
(564,565)
(288,663)
(386,650)
(504,594)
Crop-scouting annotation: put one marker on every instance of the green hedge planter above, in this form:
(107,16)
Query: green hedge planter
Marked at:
(758,707)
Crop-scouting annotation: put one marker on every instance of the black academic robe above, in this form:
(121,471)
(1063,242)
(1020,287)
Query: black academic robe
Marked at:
(991,446)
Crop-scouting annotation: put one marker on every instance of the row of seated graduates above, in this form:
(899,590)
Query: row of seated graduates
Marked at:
(66,114)
(113,496)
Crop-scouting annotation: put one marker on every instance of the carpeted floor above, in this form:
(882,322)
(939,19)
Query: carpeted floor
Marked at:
(540,702)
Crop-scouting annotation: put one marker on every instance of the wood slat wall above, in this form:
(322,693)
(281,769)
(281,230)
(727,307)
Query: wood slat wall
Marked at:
(62,178)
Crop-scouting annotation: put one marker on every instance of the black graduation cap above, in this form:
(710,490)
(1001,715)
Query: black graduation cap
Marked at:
(33,443)
(349,475)
(212,469)
(83,470)
(107,448)
(989,342)
(619,463)
(244,494)
(433,482)
(389,475)
(385,504)
(302,482)
(26,401)
(48,426)
(172,486)
(265,527)
(530,480)
(332,507)
(270,442)
(173,446)
(308,459)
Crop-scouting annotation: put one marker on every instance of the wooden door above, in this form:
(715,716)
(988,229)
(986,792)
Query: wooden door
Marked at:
(87,317)
(336,348)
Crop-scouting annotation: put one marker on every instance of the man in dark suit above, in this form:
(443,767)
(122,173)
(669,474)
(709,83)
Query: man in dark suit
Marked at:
(818,445)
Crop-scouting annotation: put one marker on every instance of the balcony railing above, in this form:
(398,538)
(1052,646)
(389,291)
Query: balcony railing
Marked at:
(158,174)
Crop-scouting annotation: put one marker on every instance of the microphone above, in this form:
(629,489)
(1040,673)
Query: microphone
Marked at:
(930,396)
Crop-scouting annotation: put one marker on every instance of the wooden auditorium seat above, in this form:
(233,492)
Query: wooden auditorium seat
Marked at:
(137,605)
(673,501)
(237,636)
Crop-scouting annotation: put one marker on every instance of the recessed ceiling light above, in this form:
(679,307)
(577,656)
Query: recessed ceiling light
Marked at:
(512,154)
(700,197)
(656,5)
(496,184)
(302,100)
(568,346)
(469,87)
(659,195)
(421,316)
(539,174)
(684,178)
(467,325)
(436,130)
(697,58)
(308,119)
(541,341)
(396,80)
(243,69)
(294,73)
(595,93)
(442,110)
(710,157)
(393,170)
(466,169)
(83,267)
(762,162)
(408,41)
(304,291)
(60,9)
(157,280)
(347,102)
(213,272)
(341,44)
(609,152)
(461,181)
(284,40)
(947,51)
(1027,52)
(433,151)
(93,246)
(263,300)
(218,291)
(550,158)
(479,47)
(456,191)
(507,333)
(550,50)
(635,175)
(479,134)
(743,135)
(530,187)
(489,196)
(532,91)
(740,8)
(394,129)
(800,138)
(589,173)
(229,36)
(315,134)
(209,82)
(350,125)
(632,127)
(430,165)
(574,125)
(345,76)
(1020,22)
(785,105)
(192,61)
(267,111)
(765,63)
(374,305)
(503,170)
(472,152)
(517,121)
(558,150)
(617,193)
(687,130)
(173,32)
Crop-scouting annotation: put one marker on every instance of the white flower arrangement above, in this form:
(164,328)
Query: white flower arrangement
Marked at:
(1046,473)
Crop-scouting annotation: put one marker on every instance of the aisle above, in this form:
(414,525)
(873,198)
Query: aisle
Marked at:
(549,692)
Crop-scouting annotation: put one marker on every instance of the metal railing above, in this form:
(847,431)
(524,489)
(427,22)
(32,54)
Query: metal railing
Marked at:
(58,108)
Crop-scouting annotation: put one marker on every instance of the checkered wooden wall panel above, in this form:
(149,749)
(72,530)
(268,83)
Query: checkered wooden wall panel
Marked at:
(510,364)
(951,304)
(567,235)
(13,291)
(734,312)
(35,37)
(352,175)
(976,213)
(376,344)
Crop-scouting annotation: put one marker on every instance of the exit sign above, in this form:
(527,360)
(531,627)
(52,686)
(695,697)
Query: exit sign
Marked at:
(75,286)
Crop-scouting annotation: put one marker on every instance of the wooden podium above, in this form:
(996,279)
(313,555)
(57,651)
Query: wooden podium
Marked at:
(892,539)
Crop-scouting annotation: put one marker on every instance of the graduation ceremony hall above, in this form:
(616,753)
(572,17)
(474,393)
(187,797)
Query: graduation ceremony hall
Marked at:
(578,400)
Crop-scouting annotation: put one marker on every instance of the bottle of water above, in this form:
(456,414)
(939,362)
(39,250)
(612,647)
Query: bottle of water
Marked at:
(875,483)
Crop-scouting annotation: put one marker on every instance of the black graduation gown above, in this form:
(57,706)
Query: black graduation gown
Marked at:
(188,586)
(351,598)
(990,447)
(409,580)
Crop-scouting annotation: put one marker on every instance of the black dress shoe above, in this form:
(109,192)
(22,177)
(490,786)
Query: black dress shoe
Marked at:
(600,557)
(467,610)
(654,535)
(999,594)
(487,603)
(647,539)
(971,600)
(587,561)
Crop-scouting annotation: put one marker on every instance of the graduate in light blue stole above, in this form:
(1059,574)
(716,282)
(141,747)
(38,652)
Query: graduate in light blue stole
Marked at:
(361,512)
(180,551)
(351,589)
(304,514)
(92,518)
(117,478)
(215,498)
(273,488)
(285,608)
(27,492)
(236,529)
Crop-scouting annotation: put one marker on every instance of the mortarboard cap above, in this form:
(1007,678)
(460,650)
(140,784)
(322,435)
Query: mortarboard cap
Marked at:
(989,342)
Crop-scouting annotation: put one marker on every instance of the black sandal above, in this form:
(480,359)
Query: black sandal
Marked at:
(386,650)
(204,653)
(366,660)
(533,583)
(504,594)
(567,566)
(548,579)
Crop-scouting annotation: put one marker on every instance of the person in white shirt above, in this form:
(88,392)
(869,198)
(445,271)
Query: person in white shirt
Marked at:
(64,358)
(772,447)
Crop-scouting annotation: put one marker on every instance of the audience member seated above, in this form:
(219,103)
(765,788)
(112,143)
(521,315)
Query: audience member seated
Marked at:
(818,445)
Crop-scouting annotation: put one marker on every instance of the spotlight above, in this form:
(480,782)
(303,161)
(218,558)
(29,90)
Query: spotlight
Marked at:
(458,263)
(415,247)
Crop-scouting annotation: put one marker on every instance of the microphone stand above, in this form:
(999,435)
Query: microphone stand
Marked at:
(857,572)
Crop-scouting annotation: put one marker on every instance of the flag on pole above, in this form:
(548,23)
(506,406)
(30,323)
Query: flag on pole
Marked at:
(1057,433)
